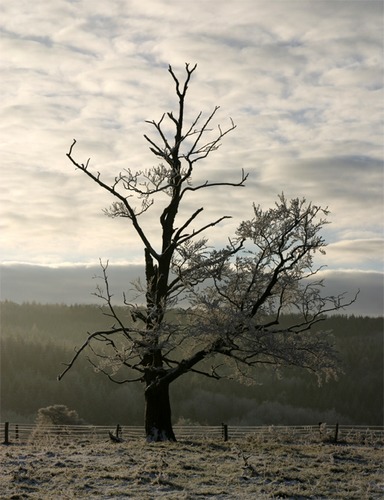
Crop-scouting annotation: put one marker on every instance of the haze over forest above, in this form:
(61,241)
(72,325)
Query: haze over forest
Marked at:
(36,339)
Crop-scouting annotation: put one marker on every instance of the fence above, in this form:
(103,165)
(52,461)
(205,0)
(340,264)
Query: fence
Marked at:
(22,433)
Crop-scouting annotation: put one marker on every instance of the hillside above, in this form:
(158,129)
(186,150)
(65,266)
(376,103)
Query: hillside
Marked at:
(36,339)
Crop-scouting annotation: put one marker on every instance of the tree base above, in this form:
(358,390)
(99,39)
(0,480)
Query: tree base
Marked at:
(158,422)
(156,435)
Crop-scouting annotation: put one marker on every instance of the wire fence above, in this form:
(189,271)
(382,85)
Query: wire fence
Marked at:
(14,433)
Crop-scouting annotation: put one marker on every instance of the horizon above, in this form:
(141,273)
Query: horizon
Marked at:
(75,285)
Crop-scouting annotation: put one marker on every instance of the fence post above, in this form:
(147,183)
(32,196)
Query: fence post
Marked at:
(17,431)
(336,432)
(118,431)
(6,433)
(225,431)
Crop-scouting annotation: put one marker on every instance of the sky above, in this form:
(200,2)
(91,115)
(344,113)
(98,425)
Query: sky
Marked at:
(302,80)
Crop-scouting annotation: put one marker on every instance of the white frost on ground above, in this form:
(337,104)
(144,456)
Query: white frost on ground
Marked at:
(252,468)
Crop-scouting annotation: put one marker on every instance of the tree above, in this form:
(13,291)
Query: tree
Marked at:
(236,294)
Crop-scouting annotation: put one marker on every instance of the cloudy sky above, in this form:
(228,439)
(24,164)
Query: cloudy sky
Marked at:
(303,81)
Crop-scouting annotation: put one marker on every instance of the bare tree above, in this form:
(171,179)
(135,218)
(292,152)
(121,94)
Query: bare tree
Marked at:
(236,294)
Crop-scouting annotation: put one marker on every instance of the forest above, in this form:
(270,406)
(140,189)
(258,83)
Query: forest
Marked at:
(36,340)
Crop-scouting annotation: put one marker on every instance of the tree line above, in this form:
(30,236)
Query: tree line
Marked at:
(37,339)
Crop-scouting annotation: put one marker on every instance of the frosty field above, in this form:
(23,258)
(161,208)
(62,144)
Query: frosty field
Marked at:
(257,467)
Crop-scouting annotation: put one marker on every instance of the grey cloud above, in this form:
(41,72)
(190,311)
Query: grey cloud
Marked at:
(76,284)
(363,254)
(358,172)
(68,285)
(370,300)
(350,185)
(292,75)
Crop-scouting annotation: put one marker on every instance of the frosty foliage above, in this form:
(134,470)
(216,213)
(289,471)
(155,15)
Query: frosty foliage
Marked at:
(53,419)
(57,415)
(272,275)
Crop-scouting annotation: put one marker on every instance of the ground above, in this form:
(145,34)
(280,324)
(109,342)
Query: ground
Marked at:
(254,467)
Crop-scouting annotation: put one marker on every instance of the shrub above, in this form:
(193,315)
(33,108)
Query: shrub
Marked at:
(57,415)
(51,421)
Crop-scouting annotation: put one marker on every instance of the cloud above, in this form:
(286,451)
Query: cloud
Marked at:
(65,283)
(364,254)
(370,299)
(302,81)
(70,284)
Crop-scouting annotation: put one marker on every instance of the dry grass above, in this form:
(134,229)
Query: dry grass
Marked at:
(259,467)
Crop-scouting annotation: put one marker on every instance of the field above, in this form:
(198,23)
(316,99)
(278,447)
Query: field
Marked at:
(257,466)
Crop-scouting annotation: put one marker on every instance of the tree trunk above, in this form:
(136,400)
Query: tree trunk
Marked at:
(158,424)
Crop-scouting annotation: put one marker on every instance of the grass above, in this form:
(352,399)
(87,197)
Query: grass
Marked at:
(256,467)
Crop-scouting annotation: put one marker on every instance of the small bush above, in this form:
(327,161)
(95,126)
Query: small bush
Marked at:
(51,421)
(57,415)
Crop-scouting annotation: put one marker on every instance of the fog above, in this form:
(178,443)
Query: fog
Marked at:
(77,284)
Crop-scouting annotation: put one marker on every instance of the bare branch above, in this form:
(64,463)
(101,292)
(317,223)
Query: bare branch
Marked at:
(91,337)
(196,232)
(130,212)
(208,184)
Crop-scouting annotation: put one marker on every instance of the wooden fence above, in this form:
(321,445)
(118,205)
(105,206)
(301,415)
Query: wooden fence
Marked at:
(22,433)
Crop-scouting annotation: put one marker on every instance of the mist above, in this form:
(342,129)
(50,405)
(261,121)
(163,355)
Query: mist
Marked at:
(77,285)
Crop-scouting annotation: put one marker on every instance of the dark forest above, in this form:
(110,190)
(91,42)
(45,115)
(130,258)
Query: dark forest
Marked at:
(37,339)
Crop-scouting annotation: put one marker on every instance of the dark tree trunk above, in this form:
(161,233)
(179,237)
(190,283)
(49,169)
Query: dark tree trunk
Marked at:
(158,424)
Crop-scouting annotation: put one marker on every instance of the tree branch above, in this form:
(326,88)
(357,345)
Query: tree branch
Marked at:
(85,344)
(111,190)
